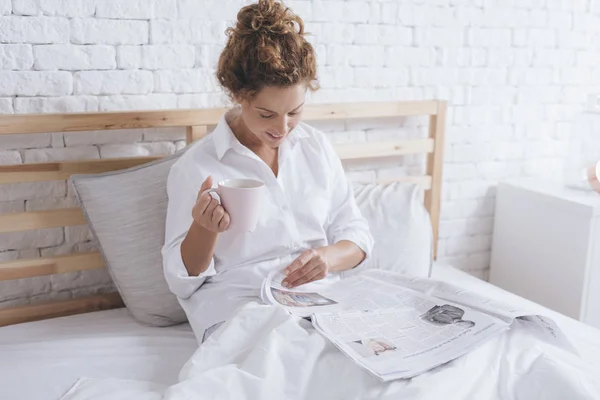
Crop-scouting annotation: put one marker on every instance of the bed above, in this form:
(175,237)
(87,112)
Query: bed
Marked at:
(45,348)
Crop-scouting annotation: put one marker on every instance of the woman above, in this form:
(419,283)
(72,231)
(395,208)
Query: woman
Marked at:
(309,225)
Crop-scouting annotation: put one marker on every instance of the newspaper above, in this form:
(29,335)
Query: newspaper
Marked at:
(399,327)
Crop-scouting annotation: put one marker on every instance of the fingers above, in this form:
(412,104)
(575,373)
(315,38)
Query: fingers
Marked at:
(314,274)
(207,184)
(224,223)
(312,271)
(299,262)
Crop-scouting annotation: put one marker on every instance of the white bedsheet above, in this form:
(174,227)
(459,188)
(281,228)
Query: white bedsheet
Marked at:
(41,360)
(264,353)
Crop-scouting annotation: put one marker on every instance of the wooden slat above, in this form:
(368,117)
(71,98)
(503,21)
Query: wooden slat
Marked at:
(195,132)
(435,161)
(358,151)
(17,315)
(38,172)
(424,181)
(25,221)
(56,171)
(77,122)
(27,268)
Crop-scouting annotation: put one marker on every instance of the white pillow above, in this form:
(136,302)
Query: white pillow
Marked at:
(400,225)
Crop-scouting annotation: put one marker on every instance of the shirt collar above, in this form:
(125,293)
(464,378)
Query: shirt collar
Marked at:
(224,139)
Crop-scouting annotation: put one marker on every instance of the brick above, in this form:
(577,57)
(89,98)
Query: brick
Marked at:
(187,31)
(157,57)
(137,150)
(16,206)
(113,82)
(8,157)
(193,100)
(439,37)
(31,239)
(56,104)
(435,76)
(380,77)
(15,57)
(459,172)
(5,7)
(163,134)
(468,245)
(336,33)
(34,30)
(24,141)
(68,248)
(496,95)
(299,7)
(130,9)
(530,76)
(540,94)
(479,37)
(366,55)
(409,56)
(498,170)
(184,81)
(70,57)
(469,16)
(104,31)
(63,8)
(50,203)
(346,11)
(30,83)
(145,102)
(102,137)
(209,10)
(528,113)
(6,107)
(76,234)
(207,56)
(336,77)
(389,12)
(574,40)
(470,153)
(61,154)
(560,20)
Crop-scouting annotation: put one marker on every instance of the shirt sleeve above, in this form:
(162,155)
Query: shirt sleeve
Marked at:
(345,221)
(182,194)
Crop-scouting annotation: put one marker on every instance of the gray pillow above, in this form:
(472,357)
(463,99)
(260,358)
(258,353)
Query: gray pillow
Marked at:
(126,211)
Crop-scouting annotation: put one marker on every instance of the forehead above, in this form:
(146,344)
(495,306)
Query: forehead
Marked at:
(280,99)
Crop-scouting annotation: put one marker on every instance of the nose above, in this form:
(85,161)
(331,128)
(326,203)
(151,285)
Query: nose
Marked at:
(282,126)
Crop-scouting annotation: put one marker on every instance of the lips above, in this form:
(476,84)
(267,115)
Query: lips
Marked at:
(275,137)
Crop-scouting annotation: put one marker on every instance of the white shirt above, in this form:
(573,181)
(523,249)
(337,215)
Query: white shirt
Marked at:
(309,204)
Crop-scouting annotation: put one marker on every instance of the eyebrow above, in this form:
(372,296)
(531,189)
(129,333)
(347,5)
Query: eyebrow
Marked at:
(267,110)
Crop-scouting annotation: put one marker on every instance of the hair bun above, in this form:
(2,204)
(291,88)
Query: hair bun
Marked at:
(267,17)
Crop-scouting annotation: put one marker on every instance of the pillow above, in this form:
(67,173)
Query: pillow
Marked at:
(400,225)
(126,211)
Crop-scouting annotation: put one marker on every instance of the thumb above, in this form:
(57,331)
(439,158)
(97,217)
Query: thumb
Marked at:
(207,184)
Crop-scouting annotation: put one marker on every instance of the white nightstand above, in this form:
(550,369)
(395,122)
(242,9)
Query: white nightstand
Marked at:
(546,246)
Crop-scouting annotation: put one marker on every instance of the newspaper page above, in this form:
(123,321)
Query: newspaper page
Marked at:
(392,331)
(543,327)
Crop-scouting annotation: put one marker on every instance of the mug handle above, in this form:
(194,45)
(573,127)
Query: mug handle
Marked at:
(215,191)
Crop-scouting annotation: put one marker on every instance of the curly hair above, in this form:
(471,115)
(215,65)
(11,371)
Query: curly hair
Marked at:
(266,47)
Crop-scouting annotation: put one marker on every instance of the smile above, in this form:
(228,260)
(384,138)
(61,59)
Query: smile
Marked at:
(275,137)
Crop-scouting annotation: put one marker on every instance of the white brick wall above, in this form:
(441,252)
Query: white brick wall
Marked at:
(514,72)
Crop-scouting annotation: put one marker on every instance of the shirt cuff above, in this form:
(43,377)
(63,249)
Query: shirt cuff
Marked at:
(180,282)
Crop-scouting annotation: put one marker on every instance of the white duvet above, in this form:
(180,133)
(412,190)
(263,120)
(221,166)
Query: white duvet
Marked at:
(265,353)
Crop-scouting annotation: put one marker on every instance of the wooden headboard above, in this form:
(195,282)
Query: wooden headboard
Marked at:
(198,123)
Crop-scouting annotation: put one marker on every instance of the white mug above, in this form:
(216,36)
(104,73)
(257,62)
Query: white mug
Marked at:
(241,198)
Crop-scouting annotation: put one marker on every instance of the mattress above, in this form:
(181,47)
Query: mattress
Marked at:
(42,360)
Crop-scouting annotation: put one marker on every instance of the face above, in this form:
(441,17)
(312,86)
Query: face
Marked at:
(273,113)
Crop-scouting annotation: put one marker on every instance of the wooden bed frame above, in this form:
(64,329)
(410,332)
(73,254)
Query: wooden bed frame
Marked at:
(198,123)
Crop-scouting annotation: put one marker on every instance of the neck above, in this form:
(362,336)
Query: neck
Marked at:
(247,138)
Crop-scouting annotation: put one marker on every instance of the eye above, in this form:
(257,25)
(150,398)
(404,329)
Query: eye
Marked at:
(293,114)
(266,116)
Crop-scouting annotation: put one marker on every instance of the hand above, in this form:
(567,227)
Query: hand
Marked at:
(310,266)
(207,212)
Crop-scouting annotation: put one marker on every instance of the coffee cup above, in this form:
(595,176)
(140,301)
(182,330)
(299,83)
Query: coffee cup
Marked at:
(241,198)
(593,174)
